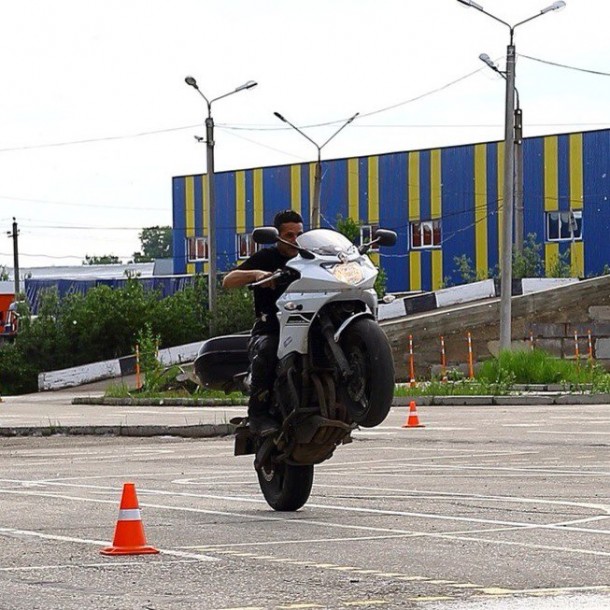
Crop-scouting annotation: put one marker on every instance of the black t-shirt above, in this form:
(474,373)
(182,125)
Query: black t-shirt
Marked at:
(267,259)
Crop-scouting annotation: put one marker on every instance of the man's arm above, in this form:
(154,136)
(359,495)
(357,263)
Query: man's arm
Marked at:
(240,277)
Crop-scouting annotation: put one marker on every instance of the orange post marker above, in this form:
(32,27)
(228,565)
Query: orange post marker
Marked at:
(532,340)
(412,417)
(576,352)
(590,346)
(443,360)
(470,362)
(129,538)
(411,362)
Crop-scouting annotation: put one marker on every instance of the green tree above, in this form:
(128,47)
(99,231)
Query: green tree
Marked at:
(105,259)
(559,266)
(234,311)
(349,227)
(156,242)
(184,317)
(528,263)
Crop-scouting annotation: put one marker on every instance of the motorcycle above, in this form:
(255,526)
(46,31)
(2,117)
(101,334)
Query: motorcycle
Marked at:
(335,370)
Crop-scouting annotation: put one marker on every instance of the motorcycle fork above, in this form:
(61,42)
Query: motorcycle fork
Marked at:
(328,332)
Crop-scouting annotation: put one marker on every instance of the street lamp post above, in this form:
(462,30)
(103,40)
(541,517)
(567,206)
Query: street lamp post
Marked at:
(509,171)
(317,187)
(518,151)
(211,188)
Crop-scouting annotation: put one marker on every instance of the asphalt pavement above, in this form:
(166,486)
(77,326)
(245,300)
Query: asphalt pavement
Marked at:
(83,410)
(485,507)
(46,413)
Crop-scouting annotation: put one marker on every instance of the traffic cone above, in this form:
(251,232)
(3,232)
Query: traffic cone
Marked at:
(129,538)
(413,418)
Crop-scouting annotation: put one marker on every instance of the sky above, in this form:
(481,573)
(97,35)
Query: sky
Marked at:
(95,116)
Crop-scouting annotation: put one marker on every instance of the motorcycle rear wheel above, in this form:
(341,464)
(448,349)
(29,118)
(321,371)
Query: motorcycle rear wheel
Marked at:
(368,392)
(286,487)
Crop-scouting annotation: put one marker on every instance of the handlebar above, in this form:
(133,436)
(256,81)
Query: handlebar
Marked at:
(270,278)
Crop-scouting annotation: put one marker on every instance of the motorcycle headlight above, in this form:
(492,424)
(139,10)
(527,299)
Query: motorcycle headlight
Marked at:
(348,273)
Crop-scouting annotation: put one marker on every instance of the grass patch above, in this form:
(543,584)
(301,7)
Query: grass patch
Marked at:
(495,377)
(464,387)
(123,391)
(539,367)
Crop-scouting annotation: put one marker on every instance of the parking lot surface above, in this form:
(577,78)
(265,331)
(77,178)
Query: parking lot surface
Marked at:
(483,508)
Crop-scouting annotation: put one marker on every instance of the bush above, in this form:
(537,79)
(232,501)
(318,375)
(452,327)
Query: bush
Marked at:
(184,317)
(17,375)
(105,323)
(535,366)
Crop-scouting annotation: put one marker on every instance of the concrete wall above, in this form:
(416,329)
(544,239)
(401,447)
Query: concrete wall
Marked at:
(551,315)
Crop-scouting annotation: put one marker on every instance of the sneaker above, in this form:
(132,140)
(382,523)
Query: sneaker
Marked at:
(262,424)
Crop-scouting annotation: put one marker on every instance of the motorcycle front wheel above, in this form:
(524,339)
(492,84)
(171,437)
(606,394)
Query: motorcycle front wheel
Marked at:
(368,392)
(286,487)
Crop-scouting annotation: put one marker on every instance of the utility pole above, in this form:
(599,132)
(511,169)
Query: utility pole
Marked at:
(211,191)
(506,267)
(506,259)
(14,235)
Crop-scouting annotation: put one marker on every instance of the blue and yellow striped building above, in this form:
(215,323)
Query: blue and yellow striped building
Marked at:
(458,190)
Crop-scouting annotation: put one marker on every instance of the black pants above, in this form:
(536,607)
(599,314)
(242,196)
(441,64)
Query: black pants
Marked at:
(262,352)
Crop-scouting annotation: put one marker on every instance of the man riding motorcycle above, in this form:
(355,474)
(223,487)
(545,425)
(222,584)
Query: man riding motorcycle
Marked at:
(263,344)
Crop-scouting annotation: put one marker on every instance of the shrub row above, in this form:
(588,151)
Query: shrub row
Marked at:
(105,323)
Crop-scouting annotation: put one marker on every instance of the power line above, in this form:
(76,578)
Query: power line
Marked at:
(102,139)
(558,65)
(80,205)
(283,152)
(362,115)
(232,127)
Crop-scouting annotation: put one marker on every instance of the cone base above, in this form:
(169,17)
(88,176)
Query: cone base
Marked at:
(129,550)
(413,426)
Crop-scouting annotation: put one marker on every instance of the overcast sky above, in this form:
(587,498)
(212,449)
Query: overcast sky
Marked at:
(95,117)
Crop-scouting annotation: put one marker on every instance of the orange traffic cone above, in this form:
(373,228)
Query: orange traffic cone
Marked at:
(129,538)
(413,418)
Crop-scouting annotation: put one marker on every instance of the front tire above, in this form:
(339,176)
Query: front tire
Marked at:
(368,392)
(286,487)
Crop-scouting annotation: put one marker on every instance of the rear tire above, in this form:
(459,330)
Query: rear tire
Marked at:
(368,392)
(286,487)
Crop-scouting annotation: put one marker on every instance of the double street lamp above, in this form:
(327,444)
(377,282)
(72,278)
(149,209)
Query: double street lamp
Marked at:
(211,187)
(509,170)
(315,202)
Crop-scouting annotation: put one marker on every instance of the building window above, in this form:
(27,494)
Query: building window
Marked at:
(245,245)
(426,234)
(367,233)
(564,226)
(196,249)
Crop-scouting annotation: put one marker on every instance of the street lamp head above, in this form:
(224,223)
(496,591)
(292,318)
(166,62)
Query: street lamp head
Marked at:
(280,117)
(471,4)
(556,6)
(487,60)
(190,80)
(249,85)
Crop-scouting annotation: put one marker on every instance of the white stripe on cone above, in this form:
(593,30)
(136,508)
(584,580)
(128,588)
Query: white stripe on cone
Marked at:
(130,514)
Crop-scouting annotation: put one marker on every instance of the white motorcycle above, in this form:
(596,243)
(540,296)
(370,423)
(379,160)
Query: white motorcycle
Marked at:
(335,369)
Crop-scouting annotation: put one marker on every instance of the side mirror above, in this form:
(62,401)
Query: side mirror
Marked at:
(385,237)
(265,235)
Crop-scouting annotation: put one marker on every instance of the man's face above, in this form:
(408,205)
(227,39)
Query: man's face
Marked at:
(289,231)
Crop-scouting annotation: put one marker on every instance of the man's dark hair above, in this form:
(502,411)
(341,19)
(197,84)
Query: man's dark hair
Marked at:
(286,216)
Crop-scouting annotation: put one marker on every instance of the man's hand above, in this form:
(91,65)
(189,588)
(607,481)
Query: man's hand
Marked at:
(261,275)
(238,278)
